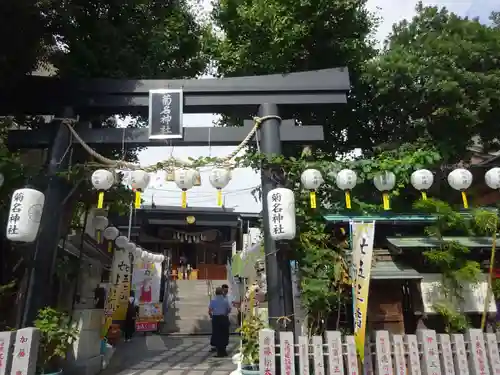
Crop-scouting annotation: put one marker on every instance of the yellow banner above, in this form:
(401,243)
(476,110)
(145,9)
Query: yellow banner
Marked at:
(362,245)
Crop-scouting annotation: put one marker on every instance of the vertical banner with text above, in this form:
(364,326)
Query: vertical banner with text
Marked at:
(362,254)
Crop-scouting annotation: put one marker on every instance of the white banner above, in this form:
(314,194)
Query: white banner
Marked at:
(146,280)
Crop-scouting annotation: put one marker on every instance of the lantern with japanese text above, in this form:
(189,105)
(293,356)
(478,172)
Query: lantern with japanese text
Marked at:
(110,234)
(492,178)
(139,181)
(121,241)
(281,213)
(219,178)
(385,182)
(184,179)
(23,222)
(461,179)
(311,180)
(99,223)
(346,180)
(422,180)
(102,180)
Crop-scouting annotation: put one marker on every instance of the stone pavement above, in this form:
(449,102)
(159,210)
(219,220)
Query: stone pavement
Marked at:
(170,355)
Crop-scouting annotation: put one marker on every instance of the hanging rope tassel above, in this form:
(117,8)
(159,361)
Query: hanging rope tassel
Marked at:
(424,195)
(464,200)
(100,199)
(385,200)
(348,199)
(137,199)
(219,197)
(110,246)
(312,197)
(184,199)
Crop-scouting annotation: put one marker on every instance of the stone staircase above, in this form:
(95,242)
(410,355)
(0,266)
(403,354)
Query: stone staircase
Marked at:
(187,307)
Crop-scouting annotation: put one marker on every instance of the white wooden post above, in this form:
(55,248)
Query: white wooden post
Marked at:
(267,352)
(304,355)
(368,363)
(446,354)
(287,353)
(399,355)
(460,355)
(493,355)
(25,355)
(430,356)
(5,351)
(383,357)
(413,355)
(319,363)
(478,363)
(352,358)
(335,358)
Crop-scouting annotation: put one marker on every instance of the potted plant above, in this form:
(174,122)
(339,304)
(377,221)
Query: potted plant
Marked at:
(249,331)
(56,337)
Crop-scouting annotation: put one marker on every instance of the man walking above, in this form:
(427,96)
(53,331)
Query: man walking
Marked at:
(219,310)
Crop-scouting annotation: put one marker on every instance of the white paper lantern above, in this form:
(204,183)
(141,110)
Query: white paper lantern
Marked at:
(346,179)
(460,179)
(492,178)
(162,258)
(385,181)
(100,222)
(184,178)
(138,252)
(220,177)
(129,247)
(139,180)
(102,179)
(311,179)
(110,233)
(422,179)
(25,213)
(281,211)
(121,241)
(144,255)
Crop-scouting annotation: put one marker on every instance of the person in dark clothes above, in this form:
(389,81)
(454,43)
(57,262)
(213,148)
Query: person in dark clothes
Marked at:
(99,297)
(219,310)
(225,291)
(132,310)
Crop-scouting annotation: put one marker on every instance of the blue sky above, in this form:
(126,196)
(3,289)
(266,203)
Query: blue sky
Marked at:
(238,193)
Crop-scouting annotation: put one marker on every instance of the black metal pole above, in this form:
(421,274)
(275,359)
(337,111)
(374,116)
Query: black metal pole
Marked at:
(45,247)
(271,145)
(286,274)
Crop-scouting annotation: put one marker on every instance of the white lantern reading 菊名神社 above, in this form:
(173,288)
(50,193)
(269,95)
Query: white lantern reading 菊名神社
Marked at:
(184,179)
(219,178)
(346,180)
(281,212)
(25,213)
(99,223)
(385,182)
(461,179)
(422,180)
(492,178)
(110,234)
(139,181)
(102,180)
(311,179)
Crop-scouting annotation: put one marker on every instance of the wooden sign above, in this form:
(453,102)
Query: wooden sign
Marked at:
(287,353)
(430,354)
(319,366)
(25,353)
(165,114)
(399,355)
(304,355)
(352,358)
(493,355)
(478,363)
(335,358)
(413,355)
(446,355)
(5,351)
(460,355)
(267,353)
(383,354)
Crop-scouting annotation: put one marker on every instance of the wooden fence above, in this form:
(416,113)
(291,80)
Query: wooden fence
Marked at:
(426,353)
(19,351)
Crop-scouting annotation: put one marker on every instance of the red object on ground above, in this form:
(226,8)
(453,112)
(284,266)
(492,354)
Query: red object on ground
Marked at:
(146,326)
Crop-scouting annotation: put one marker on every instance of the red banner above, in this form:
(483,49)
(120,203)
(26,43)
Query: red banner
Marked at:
(146,326)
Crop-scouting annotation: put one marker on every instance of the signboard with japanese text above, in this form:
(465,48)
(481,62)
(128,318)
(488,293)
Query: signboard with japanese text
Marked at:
(5,351)
(368,363)
(25,352)
(383,354)
(120,280)
(399,355)
(287,356)
(267,352)
(304,356)
(334,345)
(352,358)
(165,114)
(318,363)
(146,326)
(413,355)
(146,280)
(430,355)
(478,362)
(493,355)
(362,253)
(281,214)
(460,354)
(446,355)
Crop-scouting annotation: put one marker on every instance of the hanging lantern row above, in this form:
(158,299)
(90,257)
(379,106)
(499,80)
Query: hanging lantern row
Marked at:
(184,178)
(112,234)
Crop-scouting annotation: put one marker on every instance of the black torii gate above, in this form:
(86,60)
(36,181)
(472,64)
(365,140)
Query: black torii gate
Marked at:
(243,96)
